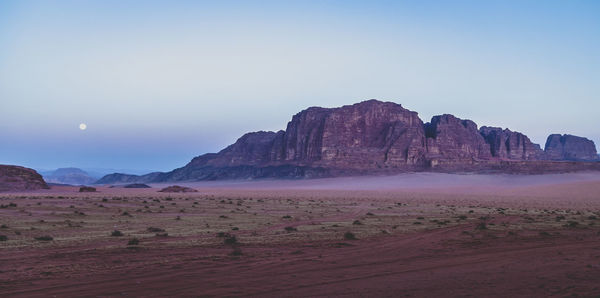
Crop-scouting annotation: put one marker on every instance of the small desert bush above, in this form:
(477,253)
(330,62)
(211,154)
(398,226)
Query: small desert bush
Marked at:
(116,233)
(357,222)
(133,241)
(349,236)
(155,230)
(230,240)
(290,229)
(236,252)
(571,224)
(44,238)
(3,238)
(481,226)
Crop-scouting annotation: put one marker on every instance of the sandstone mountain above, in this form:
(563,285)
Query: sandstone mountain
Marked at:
(15,178)
(377,137)
(568,147)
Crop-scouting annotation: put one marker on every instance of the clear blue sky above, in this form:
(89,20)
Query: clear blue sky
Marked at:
(159,82)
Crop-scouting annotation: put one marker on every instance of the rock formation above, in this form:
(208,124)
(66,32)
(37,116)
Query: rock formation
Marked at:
(375,137)
(569,147)
(15,178)
(506,144)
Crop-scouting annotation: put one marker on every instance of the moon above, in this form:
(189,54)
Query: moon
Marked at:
(82,126)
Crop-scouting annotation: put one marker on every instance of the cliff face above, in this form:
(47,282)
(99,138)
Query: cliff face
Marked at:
(506,144)
(569,147)
(376,137)
(15,178)
(451,140)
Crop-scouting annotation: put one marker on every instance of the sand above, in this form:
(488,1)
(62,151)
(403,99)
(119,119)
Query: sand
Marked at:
(421,234)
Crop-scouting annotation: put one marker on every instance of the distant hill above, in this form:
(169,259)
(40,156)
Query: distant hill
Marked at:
(374,137)
(73,176)
(16,178)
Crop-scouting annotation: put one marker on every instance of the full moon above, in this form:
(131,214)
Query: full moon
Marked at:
(82,126)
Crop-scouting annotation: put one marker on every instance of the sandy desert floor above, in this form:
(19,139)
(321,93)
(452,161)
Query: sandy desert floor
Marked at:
(407,235)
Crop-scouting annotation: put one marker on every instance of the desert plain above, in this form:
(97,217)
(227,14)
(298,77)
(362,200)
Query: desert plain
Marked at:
(413,235)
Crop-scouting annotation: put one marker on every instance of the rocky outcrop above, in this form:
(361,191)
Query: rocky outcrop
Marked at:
(511,145)
(370,137)
(569,147)
(177,188)
(15,178)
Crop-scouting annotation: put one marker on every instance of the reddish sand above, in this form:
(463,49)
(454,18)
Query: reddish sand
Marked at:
(536,238)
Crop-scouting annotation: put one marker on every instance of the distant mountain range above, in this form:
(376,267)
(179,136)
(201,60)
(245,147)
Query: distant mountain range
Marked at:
(374,137)
(73,176)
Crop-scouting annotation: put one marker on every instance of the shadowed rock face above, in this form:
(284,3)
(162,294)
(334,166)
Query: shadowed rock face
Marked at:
(373,137)
(453,140)
(15,178)
(569,147)
(512,145)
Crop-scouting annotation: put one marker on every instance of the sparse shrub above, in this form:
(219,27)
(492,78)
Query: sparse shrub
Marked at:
(481,226)
(3,227)
(116,233)
(133,241)
(290,229)
(154,230)
(417,223)
(235,229)
(571,224)
(349,236)
(223,234)
(286,216)
(462,217)
(370,214)
(230,240)
(125,214)
(3,238)
(236,252)
(357,222)
(592,217)
(544,234)
(44,238)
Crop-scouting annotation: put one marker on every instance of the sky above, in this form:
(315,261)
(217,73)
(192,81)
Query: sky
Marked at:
(160,82)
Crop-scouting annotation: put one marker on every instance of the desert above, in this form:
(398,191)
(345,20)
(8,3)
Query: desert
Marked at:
(256,148)
(447,235)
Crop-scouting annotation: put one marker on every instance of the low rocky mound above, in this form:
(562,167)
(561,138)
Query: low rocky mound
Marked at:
(15,178)
(137,185)
(87,189)
(177,188)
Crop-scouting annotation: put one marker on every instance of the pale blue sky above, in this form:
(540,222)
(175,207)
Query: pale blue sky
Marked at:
(159,82)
